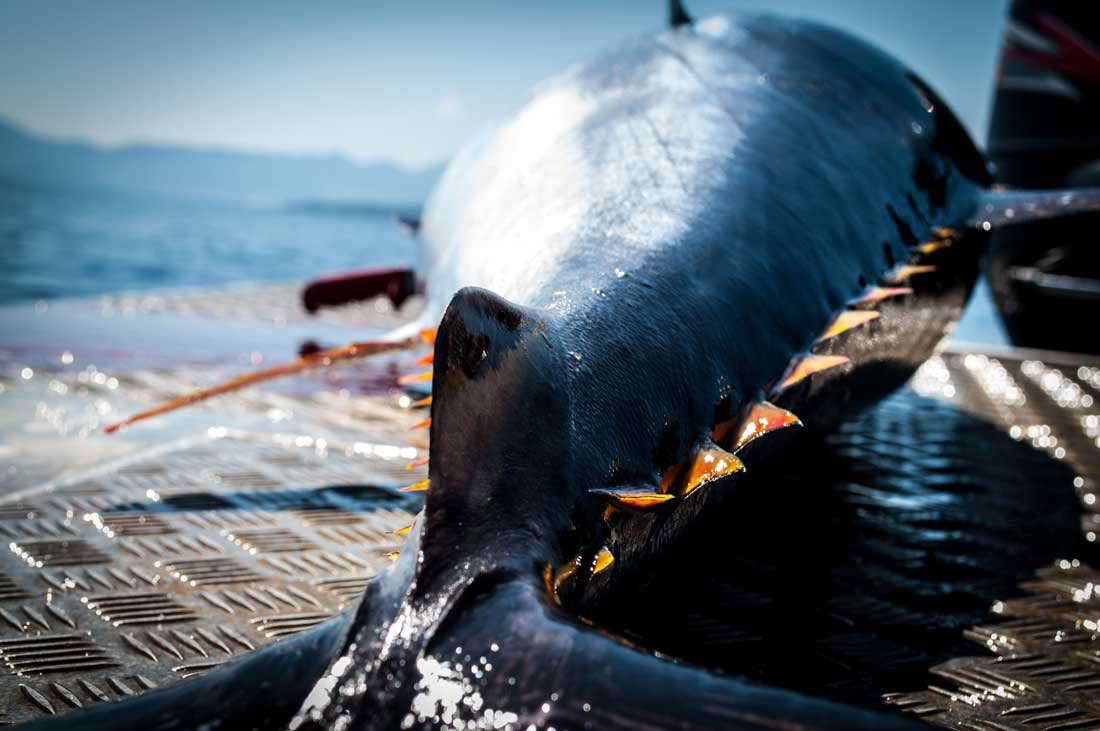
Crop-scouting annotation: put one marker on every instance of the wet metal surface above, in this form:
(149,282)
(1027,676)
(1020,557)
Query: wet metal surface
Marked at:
(959,510)
(174,560)
(77,365)
(177,559)
(1041,663)
(951,529)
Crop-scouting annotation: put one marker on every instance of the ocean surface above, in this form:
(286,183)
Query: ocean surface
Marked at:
(78,242)
(61,243)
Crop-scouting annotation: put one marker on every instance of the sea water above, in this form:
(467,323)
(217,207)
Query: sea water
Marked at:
(76,242)
(57,242)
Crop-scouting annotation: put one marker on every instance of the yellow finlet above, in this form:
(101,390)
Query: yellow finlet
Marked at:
(428,335)
(846,321)
(564,573)
(418,462)
(604,558)
(418,378)
(809,365)
(904,272)
(422,425)
(426,401)
(426,359)
(403,531)
(548,581)
(931,246)
(762,418)
(878,294)
(636,498)
(706,463)
(416,486)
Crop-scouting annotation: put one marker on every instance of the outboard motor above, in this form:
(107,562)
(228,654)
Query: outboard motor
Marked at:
(1045,133)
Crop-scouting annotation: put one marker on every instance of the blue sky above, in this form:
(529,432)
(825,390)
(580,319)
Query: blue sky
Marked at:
(378,79)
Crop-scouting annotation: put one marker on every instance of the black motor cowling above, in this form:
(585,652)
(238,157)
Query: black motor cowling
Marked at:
(1045,133)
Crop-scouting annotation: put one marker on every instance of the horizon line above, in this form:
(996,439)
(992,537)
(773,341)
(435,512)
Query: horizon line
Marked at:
(139,143)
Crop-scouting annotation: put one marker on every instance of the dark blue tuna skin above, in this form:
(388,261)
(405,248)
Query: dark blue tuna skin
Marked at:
(669,225)
(664,230)
(640,254)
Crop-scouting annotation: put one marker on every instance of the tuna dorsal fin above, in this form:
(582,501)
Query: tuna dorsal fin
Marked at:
(1001,207)
(677,16)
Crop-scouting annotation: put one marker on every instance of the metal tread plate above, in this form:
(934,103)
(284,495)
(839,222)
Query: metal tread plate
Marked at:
(168,562)
(1041,667)
(172,561)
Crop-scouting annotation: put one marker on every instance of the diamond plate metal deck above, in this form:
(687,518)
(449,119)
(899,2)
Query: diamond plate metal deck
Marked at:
(170,560)
(169,563)
(1041,668)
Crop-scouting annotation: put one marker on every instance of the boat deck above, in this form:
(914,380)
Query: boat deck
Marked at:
(951,532)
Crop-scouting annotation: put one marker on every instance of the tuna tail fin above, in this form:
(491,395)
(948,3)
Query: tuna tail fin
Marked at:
(1002,207)
(677,16)
(545,670)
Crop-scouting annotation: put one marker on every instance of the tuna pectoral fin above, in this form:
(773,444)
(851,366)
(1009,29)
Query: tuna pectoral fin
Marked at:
(261,690)
(1005,207)
(534,667)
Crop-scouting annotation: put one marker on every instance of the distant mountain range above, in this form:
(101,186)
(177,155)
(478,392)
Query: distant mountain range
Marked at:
(209,172)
